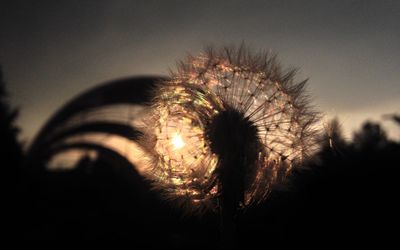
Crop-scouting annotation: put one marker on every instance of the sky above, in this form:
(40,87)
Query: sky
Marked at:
(51,51)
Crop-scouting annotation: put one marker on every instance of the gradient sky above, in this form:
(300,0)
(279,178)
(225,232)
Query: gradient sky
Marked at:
(51,51)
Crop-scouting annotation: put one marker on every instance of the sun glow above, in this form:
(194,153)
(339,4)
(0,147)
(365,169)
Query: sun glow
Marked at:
(177,142)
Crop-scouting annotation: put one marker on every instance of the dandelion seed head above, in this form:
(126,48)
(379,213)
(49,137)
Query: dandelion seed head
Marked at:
(204,86)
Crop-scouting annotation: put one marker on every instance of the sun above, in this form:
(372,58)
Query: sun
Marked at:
(177,142)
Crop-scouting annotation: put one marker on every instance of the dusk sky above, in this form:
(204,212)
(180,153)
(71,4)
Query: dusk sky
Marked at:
(51,51)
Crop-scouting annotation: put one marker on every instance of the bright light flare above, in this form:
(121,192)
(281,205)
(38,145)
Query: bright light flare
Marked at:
(177,142)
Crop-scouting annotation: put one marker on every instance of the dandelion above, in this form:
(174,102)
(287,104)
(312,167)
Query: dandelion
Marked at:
(227,121)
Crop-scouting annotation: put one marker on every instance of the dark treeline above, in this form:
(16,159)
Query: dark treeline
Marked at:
(347,194)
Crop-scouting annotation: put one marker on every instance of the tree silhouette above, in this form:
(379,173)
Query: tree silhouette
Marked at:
(9,144)
(370,137)
(10,162)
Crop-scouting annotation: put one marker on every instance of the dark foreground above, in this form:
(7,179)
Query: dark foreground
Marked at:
(348,195)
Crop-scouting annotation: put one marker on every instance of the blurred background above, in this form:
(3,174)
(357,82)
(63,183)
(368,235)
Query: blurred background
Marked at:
(75,78)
